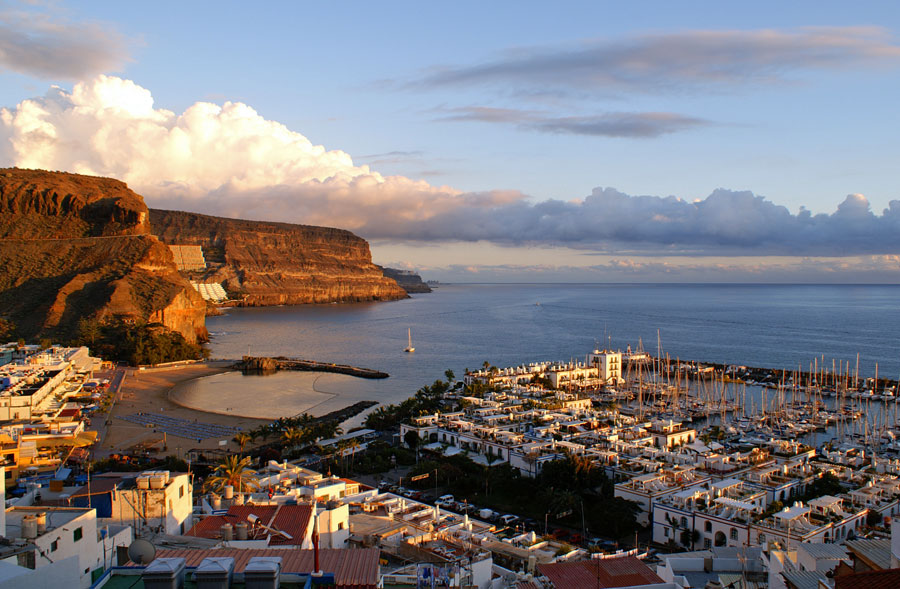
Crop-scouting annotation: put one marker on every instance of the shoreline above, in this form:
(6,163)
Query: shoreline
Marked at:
(147,391)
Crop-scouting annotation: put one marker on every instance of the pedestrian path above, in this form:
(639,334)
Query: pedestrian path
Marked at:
(193,430)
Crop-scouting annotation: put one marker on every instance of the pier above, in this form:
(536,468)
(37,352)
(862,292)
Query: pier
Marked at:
(263,364)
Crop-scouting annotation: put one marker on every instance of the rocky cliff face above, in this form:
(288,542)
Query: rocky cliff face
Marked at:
(75,247)
(266,263)
(409,281)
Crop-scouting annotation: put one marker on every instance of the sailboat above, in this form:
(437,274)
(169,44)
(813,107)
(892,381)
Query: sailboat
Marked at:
(409,347)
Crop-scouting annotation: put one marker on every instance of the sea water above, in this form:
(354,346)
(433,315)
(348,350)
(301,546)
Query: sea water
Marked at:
(462,326)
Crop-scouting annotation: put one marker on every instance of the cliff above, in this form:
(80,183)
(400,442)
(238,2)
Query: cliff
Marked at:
(75,247)
(264,263)
(408,281)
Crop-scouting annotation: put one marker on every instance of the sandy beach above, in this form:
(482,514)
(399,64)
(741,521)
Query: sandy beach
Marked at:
(148,392)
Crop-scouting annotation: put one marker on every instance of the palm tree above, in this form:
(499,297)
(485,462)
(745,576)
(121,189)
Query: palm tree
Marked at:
(292,436)
(232,471)
(242,439)
(352,445)
(342,446)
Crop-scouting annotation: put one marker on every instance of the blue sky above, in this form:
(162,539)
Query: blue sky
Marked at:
(493,114)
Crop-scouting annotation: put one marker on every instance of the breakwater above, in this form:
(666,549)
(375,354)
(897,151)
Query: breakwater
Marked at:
(264,364)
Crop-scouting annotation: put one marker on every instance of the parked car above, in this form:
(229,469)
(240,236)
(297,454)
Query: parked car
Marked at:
(509,519)
(531,524)
(444,499)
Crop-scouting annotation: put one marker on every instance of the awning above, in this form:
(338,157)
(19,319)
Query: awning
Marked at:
(78,440)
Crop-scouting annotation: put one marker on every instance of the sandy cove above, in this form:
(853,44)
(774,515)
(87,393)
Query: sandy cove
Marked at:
(147,391)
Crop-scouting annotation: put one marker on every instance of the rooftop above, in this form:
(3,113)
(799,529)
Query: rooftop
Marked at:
(626,571)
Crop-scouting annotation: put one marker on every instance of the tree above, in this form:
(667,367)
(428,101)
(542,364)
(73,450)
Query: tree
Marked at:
(292,436)
(242,439)
(88,331)
(450,376)
(233,471)
(353,446)
(7,330)
(412,440)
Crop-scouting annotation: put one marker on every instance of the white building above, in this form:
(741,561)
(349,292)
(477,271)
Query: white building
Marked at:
(609,366)
(156,500)
(53,535)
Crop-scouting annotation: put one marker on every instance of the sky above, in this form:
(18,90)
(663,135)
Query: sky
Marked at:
(503,141)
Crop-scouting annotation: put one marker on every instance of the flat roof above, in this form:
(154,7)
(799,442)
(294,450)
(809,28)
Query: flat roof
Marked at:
(626,571)
(352,567)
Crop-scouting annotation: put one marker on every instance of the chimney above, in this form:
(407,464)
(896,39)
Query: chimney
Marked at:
(214,572)
(317,572)
(164,573)
(263,572)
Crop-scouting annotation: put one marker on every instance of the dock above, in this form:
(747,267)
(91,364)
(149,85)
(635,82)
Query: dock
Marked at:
(263,364)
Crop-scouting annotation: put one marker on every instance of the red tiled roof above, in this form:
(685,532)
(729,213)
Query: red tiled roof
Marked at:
(886,579)
(626,571)
(352,568)
(293,519)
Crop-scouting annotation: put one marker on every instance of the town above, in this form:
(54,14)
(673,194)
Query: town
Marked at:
(618,470)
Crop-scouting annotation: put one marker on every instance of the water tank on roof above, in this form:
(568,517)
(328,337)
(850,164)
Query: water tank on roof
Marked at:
(227,532)
(157,481)
(143,482)
(29,527)
(229,492)
(240,530)
(41,519)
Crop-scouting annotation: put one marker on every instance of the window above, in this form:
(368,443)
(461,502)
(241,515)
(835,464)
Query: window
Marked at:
(76,535)
(181,491)
(54,545)
(666,532)
(340,525)
(761,539)
(734,534)
(708,526)
(707,543)
(684,522)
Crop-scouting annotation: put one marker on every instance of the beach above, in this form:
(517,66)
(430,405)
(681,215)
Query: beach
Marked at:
(146,393)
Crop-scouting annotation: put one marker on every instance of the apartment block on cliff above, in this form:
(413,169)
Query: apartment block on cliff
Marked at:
(188,258)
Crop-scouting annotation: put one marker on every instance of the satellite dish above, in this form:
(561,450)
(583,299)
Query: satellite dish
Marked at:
(141,552)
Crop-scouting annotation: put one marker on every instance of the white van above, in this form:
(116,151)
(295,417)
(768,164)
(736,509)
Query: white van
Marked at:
(444,500)
(509,519)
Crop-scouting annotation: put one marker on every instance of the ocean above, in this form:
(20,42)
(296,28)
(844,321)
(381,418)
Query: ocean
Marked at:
(461,326)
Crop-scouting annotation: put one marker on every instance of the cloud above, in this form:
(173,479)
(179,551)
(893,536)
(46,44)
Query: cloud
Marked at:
(611,124)
(38,45)
(220,159)
(863,269)
(228,160)
(683,61)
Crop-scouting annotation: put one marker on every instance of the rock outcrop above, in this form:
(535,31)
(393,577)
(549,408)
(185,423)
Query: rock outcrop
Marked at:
(408,280)
(262,263)
(75,247)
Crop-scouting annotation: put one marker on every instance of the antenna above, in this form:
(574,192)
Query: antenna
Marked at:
(141,552)
(254,521)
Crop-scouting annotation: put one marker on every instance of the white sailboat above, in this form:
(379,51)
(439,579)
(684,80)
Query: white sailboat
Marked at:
(409,347)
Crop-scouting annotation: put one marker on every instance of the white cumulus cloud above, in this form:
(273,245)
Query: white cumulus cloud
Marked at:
(220,159)
(228,160)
